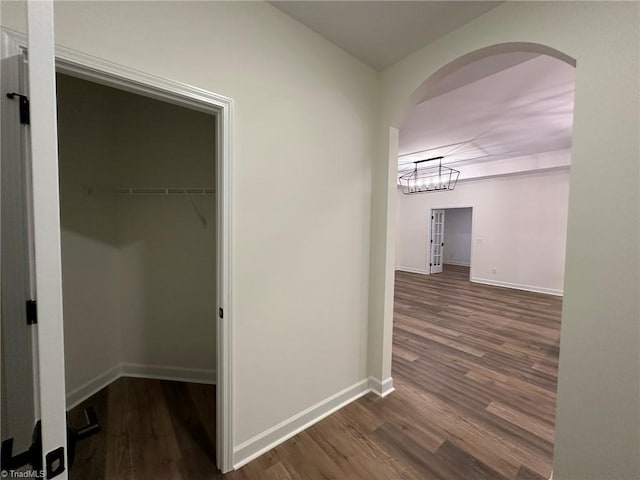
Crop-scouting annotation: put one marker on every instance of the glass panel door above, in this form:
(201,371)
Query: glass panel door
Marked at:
(437,241)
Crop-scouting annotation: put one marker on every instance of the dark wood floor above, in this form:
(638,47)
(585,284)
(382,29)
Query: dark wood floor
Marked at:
(150,429)
(475,371)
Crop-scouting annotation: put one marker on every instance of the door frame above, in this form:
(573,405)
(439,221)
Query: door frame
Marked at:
(107,73)
(473,230)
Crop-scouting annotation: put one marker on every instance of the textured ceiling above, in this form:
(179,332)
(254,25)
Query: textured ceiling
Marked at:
(380,33)
(502,107)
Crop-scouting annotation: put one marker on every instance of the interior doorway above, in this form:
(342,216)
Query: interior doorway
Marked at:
(40,195)
(138,234)
(464,346)
(451,233)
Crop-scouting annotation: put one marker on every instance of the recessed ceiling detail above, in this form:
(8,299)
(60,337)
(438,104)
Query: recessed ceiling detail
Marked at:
(513,107)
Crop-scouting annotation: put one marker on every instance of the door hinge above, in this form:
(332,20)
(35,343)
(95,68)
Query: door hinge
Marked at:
(221,312)
(25,114)
(32,312)
(442,244)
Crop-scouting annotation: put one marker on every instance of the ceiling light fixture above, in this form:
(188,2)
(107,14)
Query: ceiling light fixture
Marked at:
(428,178)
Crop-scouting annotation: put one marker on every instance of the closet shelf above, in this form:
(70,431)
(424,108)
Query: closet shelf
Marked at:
(172,191)
(188,192)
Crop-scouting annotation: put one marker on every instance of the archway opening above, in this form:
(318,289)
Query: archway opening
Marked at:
(477,306)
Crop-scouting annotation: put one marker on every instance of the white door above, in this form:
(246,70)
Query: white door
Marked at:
(437,241)
(44,206)
(18,405)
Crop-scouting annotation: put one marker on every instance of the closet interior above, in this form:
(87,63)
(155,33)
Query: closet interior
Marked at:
(138,228)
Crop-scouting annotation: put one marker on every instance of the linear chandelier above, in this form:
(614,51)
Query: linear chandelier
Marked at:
(429,178)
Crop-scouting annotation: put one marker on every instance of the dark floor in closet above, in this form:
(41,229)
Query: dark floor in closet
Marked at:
(150,429)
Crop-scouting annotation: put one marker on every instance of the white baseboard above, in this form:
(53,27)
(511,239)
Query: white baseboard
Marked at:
(518,286)
(93,386)
(412,270)
(381,388)
(270,438)
(161,372)
(259,444)
(459,264)
(158,372)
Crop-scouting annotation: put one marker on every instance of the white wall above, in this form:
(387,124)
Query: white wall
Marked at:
(138,272)
(301,244)
(457,236)
(598,413)
(92,334)
(520,225)
(167,258)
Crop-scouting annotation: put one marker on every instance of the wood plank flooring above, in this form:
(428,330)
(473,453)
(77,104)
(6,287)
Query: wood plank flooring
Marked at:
(151,429)
(475,370)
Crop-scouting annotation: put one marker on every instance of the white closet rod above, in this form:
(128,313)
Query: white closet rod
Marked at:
(190,191)
(170,191)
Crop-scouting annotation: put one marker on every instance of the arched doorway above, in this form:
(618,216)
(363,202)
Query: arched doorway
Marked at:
(597,417)
(436,349)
